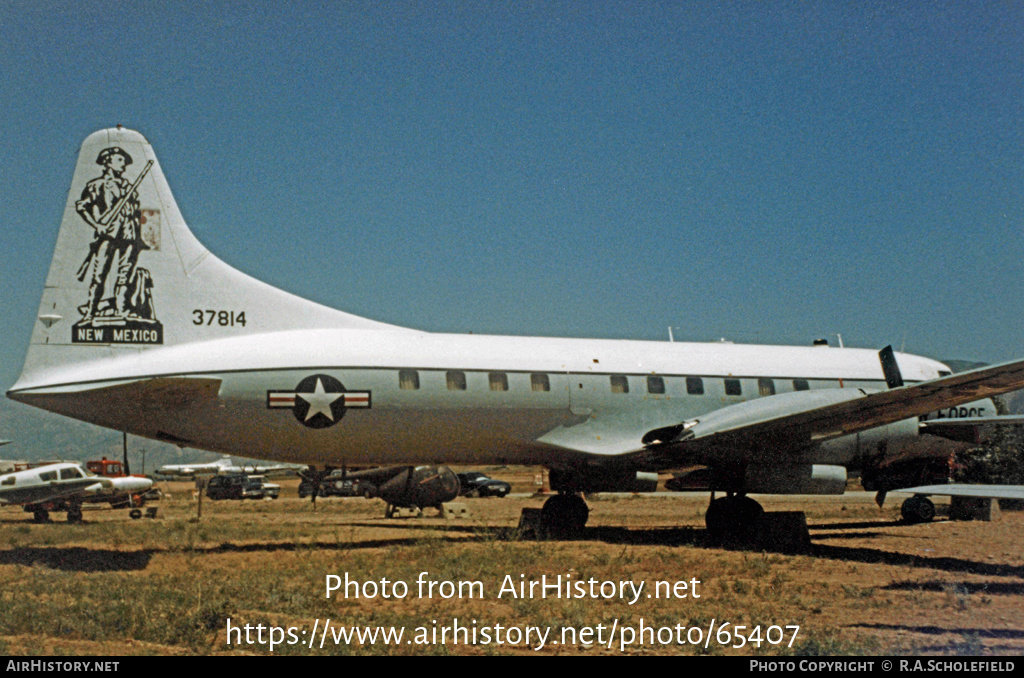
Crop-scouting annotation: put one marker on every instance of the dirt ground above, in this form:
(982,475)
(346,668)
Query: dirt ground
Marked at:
(869,584)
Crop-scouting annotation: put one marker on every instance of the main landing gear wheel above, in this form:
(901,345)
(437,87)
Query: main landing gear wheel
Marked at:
(733,516)
(75,514)
(564,515)
(918,509)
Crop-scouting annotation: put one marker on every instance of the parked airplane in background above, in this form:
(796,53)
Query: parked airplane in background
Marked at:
(65,486)
(189,470)
(225,465)
(141,329)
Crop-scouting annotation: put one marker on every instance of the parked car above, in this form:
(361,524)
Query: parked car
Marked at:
(241,486)
(476,484)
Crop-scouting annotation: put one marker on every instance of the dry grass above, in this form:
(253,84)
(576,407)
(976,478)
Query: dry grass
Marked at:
(168,586)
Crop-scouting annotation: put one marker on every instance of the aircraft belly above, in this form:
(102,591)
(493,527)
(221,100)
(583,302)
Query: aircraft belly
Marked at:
(396,436)
(255,415)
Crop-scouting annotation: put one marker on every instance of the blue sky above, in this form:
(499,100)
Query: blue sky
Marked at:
(765,172)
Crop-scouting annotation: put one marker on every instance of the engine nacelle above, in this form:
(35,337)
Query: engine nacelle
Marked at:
(420,486)
(851,450)
(796,479)
(781,479)
(571,481)
(908,473)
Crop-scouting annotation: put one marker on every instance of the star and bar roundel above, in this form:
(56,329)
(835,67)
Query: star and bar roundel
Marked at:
(319,401)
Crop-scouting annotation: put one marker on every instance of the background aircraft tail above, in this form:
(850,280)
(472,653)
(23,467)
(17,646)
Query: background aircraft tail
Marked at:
(128,275)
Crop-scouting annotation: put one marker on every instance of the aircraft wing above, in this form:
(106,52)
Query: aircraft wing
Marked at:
(783,425)
(976,491)
(968,429)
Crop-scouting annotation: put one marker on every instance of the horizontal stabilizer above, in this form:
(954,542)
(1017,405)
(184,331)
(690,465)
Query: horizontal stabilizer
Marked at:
(968,429)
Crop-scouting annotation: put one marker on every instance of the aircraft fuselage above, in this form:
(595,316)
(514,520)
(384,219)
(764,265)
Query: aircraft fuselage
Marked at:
(415,397)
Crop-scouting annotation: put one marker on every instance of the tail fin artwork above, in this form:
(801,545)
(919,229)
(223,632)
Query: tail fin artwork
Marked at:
(127,274)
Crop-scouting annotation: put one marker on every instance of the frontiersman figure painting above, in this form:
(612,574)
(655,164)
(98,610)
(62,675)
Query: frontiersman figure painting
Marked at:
(120,292)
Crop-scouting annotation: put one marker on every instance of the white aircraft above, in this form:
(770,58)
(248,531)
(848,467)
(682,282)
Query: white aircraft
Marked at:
(65,486)
(222,465)
(225,465)
(141,329)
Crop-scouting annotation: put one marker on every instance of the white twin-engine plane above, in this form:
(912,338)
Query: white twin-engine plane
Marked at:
(65,486)
(141,329)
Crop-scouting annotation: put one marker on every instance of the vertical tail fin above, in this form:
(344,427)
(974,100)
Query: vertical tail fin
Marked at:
(127,274)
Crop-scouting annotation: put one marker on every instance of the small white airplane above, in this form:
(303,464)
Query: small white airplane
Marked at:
(141,329)
(65,486)
(225,465)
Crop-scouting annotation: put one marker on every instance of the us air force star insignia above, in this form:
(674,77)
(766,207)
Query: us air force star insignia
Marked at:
(318,401)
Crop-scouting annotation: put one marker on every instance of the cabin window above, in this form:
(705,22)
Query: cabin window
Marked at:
(498,381)
(540,382)
(48,475)
(456,381)
(655,384)
(68,473)
(9,480)
(408,380)
(695,386)
(765,387)
(733,387)
(801,385)
(620,383)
